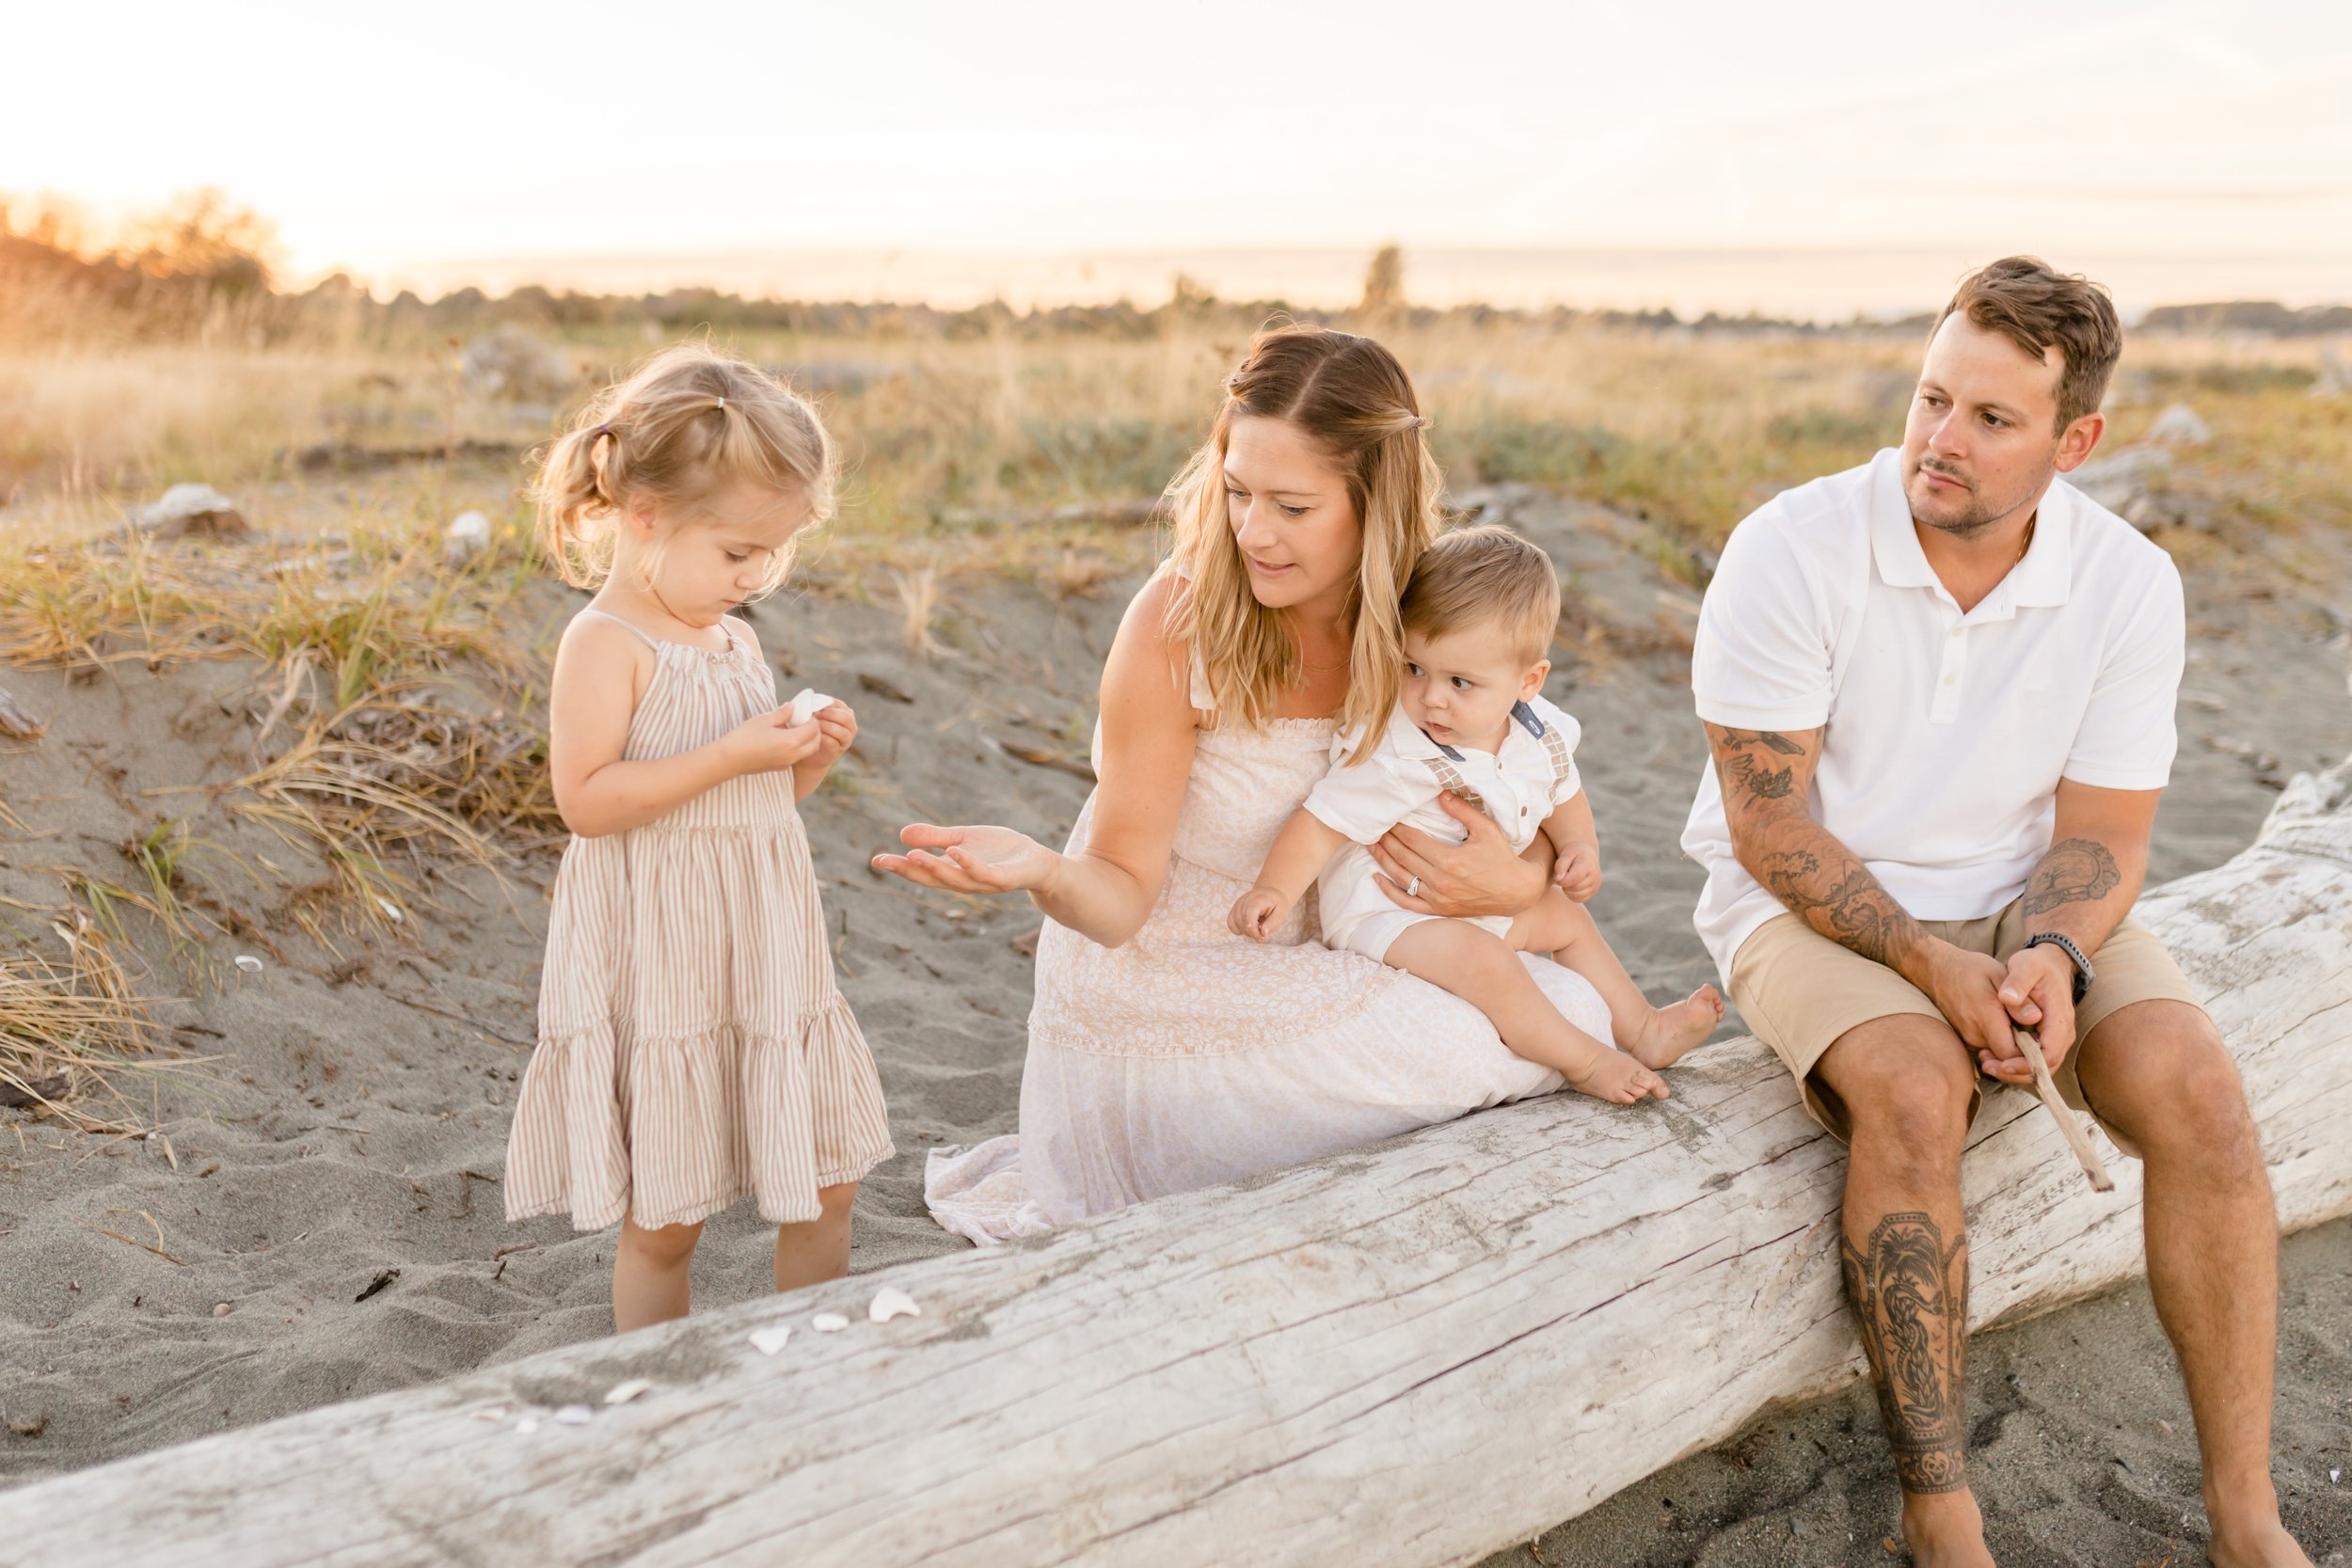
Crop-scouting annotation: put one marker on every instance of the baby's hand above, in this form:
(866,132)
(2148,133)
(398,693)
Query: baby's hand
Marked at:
(1618,1078)
(769,742)
(1577,873)
(1256,912)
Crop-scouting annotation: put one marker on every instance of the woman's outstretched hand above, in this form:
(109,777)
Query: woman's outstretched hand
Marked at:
(1479,875)
(970,860)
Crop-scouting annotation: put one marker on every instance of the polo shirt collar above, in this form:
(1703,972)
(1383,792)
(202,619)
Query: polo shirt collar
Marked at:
(2040,580)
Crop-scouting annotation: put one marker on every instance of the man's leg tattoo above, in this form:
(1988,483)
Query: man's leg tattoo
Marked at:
(1910,1293)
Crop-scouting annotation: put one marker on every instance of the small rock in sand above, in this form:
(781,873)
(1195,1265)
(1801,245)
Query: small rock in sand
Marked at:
(466,536)
(2179,426)
(769,1341)
(575,1416)
(197,508)
(16,723)
(222,1309)
(829,1323)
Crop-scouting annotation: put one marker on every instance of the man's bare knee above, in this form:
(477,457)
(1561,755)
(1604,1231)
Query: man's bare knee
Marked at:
(2159,1074)
(1907,1083)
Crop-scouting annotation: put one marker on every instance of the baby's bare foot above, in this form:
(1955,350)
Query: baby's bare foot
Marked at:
(1670,1031)
(1617,1078)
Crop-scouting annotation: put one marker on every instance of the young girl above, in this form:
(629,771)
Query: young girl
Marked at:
(693,1047)
(1470,718)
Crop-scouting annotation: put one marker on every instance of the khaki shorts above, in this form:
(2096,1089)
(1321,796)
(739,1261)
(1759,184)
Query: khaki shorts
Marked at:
(1799,991)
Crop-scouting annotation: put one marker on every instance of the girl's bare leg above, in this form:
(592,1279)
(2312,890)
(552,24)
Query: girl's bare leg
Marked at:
(817,1251)
(650,1274)
(1483,971)
(1654,1037)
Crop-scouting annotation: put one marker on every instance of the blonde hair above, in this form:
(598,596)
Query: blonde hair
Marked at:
(687,422)
(1484,577)
(1351,397)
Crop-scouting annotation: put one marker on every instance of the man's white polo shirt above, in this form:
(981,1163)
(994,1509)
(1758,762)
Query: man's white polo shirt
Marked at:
(1946,733)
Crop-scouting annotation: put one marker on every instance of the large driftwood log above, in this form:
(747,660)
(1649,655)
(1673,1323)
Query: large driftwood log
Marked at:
(1410,1354)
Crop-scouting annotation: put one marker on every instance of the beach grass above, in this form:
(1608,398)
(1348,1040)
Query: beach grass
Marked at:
(405,684)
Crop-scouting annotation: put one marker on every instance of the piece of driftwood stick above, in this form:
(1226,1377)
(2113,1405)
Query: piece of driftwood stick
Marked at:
(2046,1087)
(1405,1355)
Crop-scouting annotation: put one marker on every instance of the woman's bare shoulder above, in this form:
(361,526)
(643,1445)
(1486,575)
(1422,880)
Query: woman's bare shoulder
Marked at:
(1149,662)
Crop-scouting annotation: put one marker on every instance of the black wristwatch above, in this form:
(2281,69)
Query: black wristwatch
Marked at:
(2083,974)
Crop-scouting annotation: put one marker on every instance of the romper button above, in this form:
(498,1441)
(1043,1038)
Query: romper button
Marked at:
(1948,679)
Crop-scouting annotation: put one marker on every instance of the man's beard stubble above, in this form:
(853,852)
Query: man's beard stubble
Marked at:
(1980,514)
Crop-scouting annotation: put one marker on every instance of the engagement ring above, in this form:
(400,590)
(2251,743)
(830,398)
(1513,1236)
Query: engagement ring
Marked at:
(1413,889)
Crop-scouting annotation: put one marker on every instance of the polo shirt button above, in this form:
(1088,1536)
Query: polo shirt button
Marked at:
(1949,679)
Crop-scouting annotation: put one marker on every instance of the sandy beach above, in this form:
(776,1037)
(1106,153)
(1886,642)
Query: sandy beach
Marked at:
(319,1216)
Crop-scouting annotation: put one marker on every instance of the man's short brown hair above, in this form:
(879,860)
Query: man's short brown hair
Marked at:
(1484,577)
(2035,306)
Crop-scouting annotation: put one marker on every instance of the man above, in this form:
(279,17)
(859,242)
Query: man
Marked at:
(1939,689)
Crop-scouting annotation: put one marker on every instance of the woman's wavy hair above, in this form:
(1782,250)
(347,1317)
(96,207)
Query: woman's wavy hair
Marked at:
(686,424)
(1352,397)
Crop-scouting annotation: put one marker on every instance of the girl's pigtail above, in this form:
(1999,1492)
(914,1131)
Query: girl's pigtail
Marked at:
(574,484)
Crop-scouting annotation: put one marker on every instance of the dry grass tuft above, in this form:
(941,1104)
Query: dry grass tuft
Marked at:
(68,1030)
(918,602)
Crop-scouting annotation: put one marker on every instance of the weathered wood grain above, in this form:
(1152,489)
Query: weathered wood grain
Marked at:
(1410,1354)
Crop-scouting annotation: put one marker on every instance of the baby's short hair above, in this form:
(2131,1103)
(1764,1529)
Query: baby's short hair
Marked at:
(1486,576)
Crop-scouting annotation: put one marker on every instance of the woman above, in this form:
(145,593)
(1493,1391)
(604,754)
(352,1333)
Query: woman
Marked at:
(1165,1053)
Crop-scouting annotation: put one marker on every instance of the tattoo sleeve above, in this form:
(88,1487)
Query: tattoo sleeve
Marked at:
(1767,781)
(2079,870)
(1910,1296)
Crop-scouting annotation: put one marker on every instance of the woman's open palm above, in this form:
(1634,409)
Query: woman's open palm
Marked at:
(969,860)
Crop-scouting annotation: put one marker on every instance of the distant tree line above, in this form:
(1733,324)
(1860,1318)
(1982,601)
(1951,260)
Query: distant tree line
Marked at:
(201,269)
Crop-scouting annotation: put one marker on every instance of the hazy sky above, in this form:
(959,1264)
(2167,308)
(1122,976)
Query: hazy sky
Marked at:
(391,141)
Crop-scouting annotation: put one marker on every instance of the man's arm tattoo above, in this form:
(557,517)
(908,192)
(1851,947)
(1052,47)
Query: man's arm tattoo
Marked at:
(1754,773)
(1801,863)
(2079,870)
(1910,1296)
(1846,904)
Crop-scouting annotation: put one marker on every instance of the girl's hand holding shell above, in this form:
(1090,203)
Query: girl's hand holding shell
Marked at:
(838,727)
(769,742)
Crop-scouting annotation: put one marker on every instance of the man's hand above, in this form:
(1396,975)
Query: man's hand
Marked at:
(1256,913)
(1577,873)
(1966,987)
(2037,988)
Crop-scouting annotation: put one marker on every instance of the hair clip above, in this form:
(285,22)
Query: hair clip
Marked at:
(723,405)
(602,430)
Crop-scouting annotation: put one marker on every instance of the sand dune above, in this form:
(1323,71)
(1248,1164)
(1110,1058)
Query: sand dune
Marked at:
(351,1119)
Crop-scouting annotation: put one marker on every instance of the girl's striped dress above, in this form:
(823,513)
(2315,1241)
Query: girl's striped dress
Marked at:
(693,1047)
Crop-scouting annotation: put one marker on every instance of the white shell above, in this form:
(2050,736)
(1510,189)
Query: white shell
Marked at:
(494,1413)
(248,962)
(391,909)
(527,1425)
(769,1341)
(806,704)
(624,1392)
(574,1415)
(890,1301)
(829,1323)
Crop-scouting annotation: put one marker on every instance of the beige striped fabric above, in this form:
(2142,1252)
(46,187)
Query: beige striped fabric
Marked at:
(693,1047)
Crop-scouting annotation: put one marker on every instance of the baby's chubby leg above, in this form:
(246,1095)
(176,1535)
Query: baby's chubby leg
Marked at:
(1655,1036)
(1485,971)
